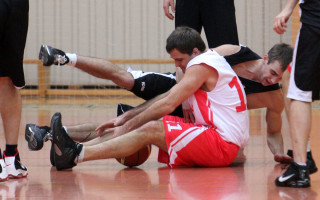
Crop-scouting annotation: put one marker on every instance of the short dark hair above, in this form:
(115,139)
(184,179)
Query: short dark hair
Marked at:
(185,39)
(281,52)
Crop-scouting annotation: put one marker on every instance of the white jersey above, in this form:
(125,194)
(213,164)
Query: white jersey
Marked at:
(225,107)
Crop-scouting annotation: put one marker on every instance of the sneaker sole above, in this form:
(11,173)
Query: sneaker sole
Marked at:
(11,176)
(4,179)
(44,53)
(32,141)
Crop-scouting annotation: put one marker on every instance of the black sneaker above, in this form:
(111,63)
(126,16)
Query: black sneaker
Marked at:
(66,150)
(295,176)
(49,56)
(14,167)
(36,136)
(310,162)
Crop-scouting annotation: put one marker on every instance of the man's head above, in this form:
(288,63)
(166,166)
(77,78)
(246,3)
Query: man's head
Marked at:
(275,63)
(183,44)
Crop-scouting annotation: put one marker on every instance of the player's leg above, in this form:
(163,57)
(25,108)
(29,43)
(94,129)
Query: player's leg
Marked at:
(10,109)
(304,78)
(124,145)
(285,85)
(187,14)
(14,28)
(97,67)
(219,22)
(68,153)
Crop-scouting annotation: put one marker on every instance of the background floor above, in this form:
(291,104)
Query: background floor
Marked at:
(107,179)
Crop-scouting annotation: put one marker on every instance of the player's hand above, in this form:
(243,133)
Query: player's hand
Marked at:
(188,116)
(107,127)
(280,21)
(166,7)
(187,113)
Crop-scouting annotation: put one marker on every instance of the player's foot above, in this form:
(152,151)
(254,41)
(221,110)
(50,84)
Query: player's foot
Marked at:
(49,56)
(14,167)
(282,158)
(3,170)
(295,176)
(36,136)
(310,162)
(66,150)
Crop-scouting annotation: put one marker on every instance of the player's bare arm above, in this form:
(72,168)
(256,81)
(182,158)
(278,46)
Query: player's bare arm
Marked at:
(122,119)
(227,49)
(197,76)
(280,21)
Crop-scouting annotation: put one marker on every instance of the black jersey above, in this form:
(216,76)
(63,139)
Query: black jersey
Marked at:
(243,55)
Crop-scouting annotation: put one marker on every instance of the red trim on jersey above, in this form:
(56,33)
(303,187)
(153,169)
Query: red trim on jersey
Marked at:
(289,68)
(204,106)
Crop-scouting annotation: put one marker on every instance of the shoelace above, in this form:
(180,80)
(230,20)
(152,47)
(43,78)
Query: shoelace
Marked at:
(61,60)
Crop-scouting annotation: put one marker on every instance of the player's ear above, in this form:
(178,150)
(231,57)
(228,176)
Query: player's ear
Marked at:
(266,58)
(195,51)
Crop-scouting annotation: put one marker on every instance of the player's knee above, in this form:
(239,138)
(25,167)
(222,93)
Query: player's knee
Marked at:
(153,130)
(125,80)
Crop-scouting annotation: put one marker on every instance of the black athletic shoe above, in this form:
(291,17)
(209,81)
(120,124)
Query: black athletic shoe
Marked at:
(66,150)
(310,162)
(122,108)
(49,56)
(295,176)
(36,136)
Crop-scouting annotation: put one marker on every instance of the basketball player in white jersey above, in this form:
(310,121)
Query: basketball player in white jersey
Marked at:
(258,75)
(217,100)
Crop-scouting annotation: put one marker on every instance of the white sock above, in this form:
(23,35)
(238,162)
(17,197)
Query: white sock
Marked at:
(302,164)
(308,146)
(72,59)
(79,158)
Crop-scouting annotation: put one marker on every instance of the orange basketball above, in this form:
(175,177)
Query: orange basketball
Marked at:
(137,158)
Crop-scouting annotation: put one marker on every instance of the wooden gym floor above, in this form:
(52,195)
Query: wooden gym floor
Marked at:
(107,179)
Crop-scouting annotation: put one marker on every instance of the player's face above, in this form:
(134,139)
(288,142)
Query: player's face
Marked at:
(180,59)
(272,73)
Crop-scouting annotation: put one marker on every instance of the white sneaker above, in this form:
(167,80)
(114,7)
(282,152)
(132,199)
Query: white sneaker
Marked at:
(3,171)
(14,168)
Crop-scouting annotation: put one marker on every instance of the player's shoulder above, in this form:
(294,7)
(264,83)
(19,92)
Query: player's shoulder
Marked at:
(227,49)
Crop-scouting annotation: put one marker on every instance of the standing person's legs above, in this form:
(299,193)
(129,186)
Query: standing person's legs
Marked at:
(14,27)
(300,125)
(10,108)
(304,78)
(188,14)
(219,22)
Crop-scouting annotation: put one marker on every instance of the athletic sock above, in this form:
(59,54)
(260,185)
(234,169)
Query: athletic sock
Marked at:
(72,58)
(79,158)
(302,164)
(11,149)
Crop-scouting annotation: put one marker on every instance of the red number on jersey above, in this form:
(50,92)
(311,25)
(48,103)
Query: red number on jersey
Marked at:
(233,83)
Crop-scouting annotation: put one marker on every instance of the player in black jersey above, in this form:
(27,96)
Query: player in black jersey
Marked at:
(303,88)
(260,77)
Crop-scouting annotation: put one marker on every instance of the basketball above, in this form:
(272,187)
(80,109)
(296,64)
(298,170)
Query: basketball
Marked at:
(137,158)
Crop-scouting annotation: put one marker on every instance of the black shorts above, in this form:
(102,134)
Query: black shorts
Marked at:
(307,62)
(13,34)
(217,17)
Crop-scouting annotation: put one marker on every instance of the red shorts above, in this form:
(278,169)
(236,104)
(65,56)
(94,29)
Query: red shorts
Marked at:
(191,145)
